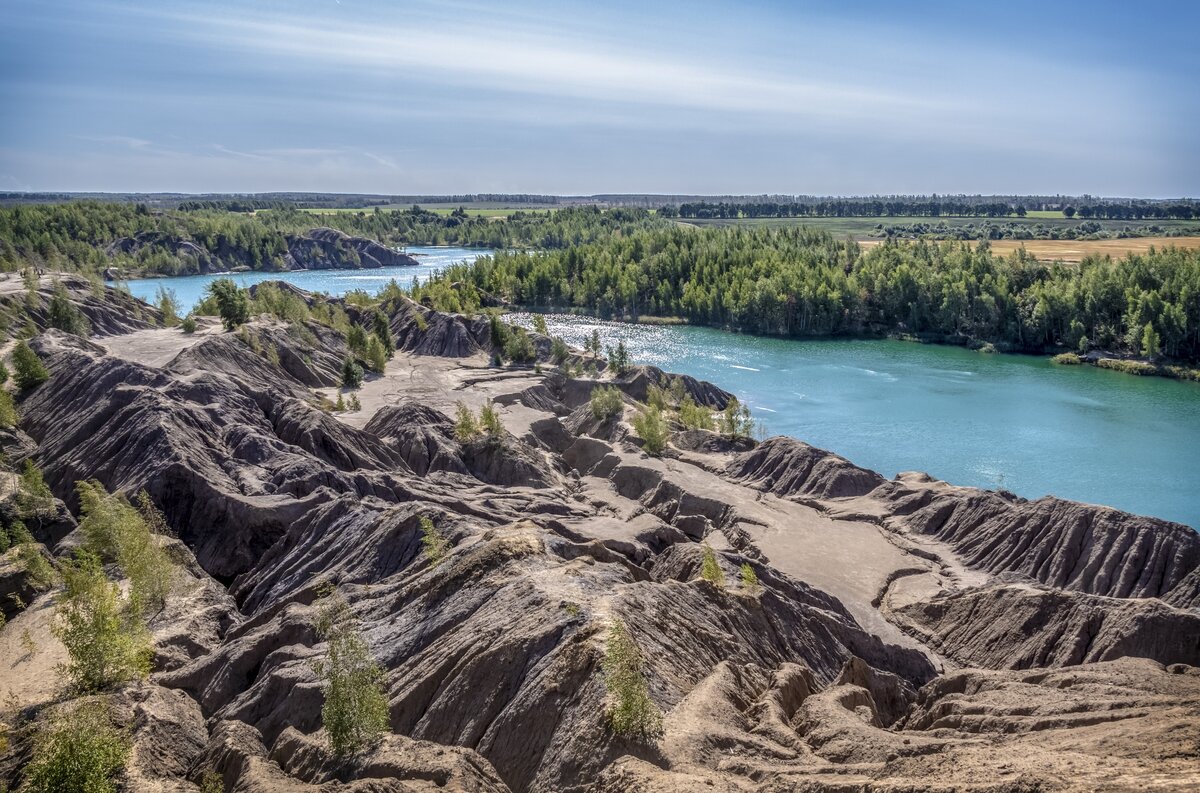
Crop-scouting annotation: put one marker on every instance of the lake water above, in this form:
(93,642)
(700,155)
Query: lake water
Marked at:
(189,289)
(1008,421)
(1011,421)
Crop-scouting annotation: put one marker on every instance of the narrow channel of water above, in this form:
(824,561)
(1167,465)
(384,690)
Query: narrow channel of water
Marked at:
(1008,421)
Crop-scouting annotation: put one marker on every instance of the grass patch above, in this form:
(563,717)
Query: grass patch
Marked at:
(1067,359)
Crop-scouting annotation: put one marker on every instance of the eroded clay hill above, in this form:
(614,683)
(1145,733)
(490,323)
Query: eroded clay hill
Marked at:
(902,635)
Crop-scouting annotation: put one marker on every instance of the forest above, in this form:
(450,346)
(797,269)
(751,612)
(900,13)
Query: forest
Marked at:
(932,208)
(802,282)
(90,236)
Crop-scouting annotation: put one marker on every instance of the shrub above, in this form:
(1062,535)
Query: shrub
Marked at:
(188,325)
(466,427)
(651,428)
(489,421)
(3,373)
(77,749)
(232,304)
(28,369)
(1067,359)
(33,494)
(656,397)
(695,417)
(618,358)
(749,577)
(105,639)
(497,333)
(8,410)
(539,325)
(518,347)
(710,569)
(607,403)
(432,541)
(64,315)
(113,528)
(629,711)
(354,404)
(377,355)
(352,374)
(383,332)
(735,420)
(355,713)
(168,304)
(559,352)
(30,558)
(356,340)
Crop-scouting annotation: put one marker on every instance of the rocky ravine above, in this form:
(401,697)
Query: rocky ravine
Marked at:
(906,634)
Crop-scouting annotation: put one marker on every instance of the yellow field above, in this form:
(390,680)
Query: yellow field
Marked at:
(1076,250)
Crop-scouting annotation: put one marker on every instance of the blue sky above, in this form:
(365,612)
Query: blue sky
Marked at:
(565,97)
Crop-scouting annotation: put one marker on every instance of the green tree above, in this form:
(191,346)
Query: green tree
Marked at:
(28,369)
(518,347)
(466,427)
(693,416)
(77,748)
(607,402)
(559,351)
(710,569)
(432,541)
(352,374)
(736,421)
(1150,342)
(383,332)
(377,355)
(355,713)
(103,633)
(64,315)
(489,422)
(539,325)
(8,410)
(168,305)
(232,303)
(749,577)
(618,358)
(629,710)
(651,428)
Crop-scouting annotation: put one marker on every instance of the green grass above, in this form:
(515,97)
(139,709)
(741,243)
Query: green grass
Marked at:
(1042,214)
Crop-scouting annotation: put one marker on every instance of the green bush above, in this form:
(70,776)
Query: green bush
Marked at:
(629,711)
(606,402)
(749,577)
(618,358)
(735,420)
(8,410)
(3,373)
(383,332)
(710,569)
(1067,359)
(352,374)
(168,304)
(466,427)
(114,529)
(651,428)
(356,340)
(232,303)
(77,749)
(559,352)
(188,325)
(539,325)
(355,713)
(33,494)
(518,347)
(103,632)
(695,417)
(489,421)
(28,369)
(377,355)
(64,315)
(432,541)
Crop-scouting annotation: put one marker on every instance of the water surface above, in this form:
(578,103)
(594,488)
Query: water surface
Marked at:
(189,289)
(1012,421)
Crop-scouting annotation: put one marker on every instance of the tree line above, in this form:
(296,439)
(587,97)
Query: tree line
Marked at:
(901,207)
(800,282)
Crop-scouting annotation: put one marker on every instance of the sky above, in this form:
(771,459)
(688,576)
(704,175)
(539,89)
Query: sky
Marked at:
(560,97)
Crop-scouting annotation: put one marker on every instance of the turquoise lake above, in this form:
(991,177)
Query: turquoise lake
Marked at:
(1017,422)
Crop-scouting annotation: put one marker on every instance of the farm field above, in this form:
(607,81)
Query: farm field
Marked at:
(867,228)
(1076,250)
(474,210)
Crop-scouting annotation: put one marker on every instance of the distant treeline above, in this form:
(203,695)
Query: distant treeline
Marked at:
(91,235)
(802,282)
(859,208)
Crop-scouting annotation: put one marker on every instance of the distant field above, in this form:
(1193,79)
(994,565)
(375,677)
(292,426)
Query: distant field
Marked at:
(1076,250)
(1044,213)
(864,228)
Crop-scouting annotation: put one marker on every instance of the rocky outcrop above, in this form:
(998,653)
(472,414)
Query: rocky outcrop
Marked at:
(1082,547)
(791,468)
(108,312)
(328,249)
(1015,626)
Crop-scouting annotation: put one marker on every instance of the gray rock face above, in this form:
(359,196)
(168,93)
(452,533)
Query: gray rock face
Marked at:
(109,312)
(1086,548)
(326,248)
(788,467)
(1022,627)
